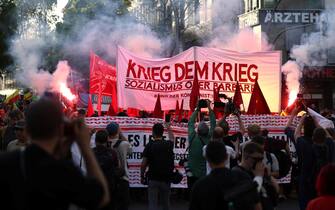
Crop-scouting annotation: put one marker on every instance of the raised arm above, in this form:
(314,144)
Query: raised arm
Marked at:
(212,118)
(92,166)
(170,132)
(292,116)
(240,124)
(297,132)
(191,122)
(223,119)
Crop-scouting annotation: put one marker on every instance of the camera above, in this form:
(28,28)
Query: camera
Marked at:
(202,103)
(69,128)
(229,106)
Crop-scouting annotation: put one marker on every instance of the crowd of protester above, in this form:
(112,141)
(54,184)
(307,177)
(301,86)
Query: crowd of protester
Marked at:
(225,170)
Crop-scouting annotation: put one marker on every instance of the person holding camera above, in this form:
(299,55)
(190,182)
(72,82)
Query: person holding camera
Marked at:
(233,141)
(158,156)
(39,177)
(197,139)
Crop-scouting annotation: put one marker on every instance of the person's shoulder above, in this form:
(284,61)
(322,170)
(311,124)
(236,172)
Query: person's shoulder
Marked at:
(125,144)
(202,183)
(273,156)
(317,202)
(9,158)
(229,149)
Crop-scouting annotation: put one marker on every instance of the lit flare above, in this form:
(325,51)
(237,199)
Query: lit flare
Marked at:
(66,92)
(292,97)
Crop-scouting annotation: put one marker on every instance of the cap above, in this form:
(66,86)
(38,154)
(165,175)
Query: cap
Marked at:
(20,125)
(203,129)
(112,128)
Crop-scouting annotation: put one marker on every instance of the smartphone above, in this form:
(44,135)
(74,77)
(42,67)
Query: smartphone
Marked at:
(167,118)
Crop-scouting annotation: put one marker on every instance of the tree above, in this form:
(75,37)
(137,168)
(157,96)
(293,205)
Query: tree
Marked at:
(8,26)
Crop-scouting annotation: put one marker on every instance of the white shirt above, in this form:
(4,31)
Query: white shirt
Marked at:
(124,149)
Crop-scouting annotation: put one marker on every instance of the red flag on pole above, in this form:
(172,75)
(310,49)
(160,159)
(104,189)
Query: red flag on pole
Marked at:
(158,113)
(181,110)
(111,111)
(238,100)
(216,99)
(90,110)
(177,111)
(103,81)
(258,104)
(195,92)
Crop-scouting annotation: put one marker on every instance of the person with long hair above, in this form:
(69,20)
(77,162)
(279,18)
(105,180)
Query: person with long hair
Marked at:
(325,187)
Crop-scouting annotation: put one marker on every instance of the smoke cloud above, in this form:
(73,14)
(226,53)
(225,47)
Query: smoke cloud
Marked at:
(102,35)
(227,35)
(313,51)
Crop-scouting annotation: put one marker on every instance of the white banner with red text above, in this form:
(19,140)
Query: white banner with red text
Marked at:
(138,133)
(140,79)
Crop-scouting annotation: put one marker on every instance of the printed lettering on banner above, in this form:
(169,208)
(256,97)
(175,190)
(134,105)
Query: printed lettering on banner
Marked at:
(139,133)
(172,78)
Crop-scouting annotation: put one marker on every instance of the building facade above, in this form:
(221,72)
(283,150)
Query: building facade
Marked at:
(286,23)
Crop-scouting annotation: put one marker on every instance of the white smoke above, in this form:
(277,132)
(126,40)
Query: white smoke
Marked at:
(102,35)
(105,34)
(28,55)
(293,74)
(226,33)
(313,50)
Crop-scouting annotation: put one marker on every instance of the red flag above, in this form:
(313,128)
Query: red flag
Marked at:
(195,92)
(103,80)
(181,110)
(158,113)
(111,111)
(90,110)
(176,115)
(131,112)
(216,99)
(257,104)
(238,100)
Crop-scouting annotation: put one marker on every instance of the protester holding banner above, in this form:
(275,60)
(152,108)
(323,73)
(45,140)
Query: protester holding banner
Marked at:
(197,140)
(159,158)
(123,148)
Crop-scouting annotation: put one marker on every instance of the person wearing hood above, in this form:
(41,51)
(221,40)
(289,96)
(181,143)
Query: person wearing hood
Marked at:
(198,138)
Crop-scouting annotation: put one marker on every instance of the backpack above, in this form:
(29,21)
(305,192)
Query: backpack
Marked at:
(104,159)
(120,171)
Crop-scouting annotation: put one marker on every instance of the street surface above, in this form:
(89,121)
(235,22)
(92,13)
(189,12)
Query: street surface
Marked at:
(139,201)
(183,205)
